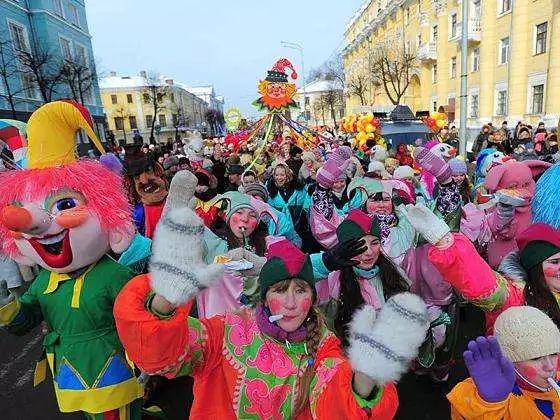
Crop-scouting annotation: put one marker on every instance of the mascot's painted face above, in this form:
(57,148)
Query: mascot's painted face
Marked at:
(151,188)
(276,90)
(444,151)
(58,232)
(492,160)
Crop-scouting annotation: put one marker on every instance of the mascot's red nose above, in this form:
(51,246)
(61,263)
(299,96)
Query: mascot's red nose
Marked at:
(16,219)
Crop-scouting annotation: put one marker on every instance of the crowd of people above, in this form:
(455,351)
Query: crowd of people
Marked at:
(288,280)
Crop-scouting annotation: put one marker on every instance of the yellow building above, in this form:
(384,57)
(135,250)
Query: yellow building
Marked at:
(513,57)
(130,112)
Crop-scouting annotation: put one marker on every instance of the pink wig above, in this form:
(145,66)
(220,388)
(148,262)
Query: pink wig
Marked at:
(102,189)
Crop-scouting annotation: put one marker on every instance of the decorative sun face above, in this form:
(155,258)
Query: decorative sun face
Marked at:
(276,95)
(276,90)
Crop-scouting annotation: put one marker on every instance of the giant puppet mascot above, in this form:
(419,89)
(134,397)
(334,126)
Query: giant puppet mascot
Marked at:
(65,215)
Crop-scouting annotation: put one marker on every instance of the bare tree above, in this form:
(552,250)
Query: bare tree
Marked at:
(154,93)
(334,71)
(8,71)
(332,99)
(44,65)
(80,79)
(357,85)
(392,67)
(121,112)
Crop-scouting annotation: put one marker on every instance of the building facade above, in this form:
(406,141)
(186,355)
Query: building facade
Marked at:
(127,101)
(46,54)
(324,103)
(513,52)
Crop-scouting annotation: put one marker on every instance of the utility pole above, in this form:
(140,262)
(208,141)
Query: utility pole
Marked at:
(296,46)
(464,72)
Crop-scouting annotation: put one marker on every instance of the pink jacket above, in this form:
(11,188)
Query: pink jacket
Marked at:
(471,276)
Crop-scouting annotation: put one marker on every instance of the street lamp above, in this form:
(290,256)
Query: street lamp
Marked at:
(296,46)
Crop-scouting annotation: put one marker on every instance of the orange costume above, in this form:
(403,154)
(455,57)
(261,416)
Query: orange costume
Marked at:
(520,404)
(239,371)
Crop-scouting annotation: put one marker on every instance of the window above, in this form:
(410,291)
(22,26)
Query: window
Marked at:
(114,99)
(147,98)
(476,59)
(504,6)
(474,106)
(81,54)
(175,119)
(28,86)
(119,123)
(149,121)
(58,9)
(74,16)
(434,33)
(418,40)
(540,39)
(504,50)
(501,103)
(434,73)
(172,97)
(162,120)
(453,25)
(132,122)
(19,38)
(66,48)
(128,98)
(453,67)
(160,97)
(538,99)
(434,106)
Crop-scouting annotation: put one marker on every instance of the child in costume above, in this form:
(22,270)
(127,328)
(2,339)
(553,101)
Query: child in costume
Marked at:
(278,361)
(66,215)
(514,375)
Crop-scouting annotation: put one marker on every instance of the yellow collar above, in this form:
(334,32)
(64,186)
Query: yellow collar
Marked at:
(56,278)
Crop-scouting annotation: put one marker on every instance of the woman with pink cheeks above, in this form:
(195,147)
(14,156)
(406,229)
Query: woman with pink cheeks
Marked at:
(527,277)
(276,361)
(514,375)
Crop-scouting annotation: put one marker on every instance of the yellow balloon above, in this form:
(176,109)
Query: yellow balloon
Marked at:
(370,128)
(434,115)
(361,137)
(440,123)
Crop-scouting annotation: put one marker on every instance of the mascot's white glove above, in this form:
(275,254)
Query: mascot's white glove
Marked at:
(383,348)
(426,223)
(177,268)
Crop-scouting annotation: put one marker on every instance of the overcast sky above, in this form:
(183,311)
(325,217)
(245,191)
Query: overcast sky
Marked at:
(229,44)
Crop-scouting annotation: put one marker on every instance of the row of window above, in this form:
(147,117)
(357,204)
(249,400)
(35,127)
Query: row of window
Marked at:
(71,13)
(501,104)
(146,97)
(162,121)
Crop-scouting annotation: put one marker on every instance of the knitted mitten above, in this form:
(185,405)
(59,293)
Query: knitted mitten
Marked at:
(383,348)
(178,271)
(181,190)
(433,164)
(426,223)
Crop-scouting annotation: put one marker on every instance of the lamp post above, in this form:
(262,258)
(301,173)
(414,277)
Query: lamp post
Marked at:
(296,46)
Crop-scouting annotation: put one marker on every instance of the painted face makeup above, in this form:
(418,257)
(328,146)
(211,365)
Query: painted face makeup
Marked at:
(243,220)
(292,300)
(368,258)
(551,270)
(379,206)
(537,371)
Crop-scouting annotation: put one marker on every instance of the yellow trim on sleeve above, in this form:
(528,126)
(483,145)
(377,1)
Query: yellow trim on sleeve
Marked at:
(8,312)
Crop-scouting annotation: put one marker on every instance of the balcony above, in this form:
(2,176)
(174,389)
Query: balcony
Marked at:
(427,52)
(474,34)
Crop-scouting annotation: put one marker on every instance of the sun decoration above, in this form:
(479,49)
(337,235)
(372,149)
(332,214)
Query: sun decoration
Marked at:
(276,93)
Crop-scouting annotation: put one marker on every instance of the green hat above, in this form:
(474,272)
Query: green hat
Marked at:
(357,225)
(236,201)
(537,243)
(366,186)
(285,261)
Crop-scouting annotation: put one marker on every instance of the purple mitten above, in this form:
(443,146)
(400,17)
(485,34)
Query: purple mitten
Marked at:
(433,164)
(492,373)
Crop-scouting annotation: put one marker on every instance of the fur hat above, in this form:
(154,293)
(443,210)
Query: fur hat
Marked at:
(526,333)
(285,261)
(537,243)
(357,225)
(403,172)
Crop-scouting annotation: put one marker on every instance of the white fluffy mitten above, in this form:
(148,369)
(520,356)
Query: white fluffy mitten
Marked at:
(181,191)
(383,348)
(426,223)
(178,271)
(243,254)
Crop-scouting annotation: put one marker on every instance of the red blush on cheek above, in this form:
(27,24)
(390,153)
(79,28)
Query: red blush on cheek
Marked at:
(305,304)
(550,272)
(274,305)
(529,372)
